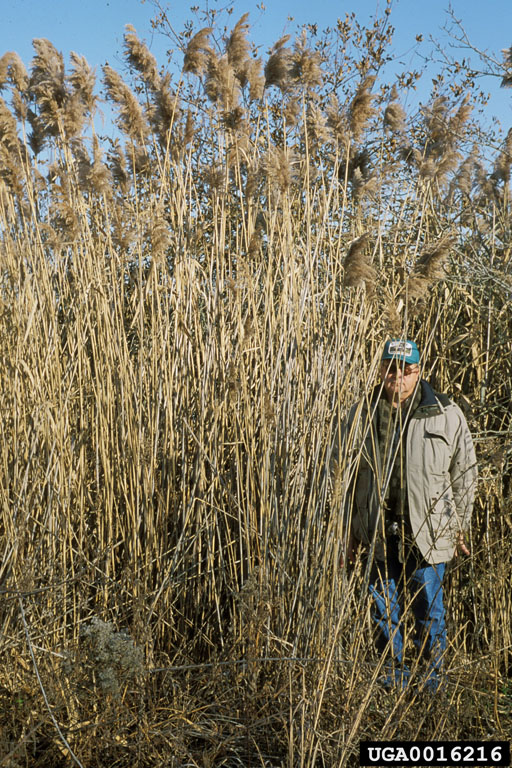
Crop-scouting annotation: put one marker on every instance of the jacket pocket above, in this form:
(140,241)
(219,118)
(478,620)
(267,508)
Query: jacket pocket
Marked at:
(438,452)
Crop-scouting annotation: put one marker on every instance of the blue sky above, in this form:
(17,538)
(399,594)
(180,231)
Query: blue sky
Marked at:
(94,28)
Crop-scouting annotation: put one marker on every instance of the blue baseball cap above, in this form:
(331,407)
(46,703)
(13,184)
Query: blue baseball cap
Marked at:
(401,349)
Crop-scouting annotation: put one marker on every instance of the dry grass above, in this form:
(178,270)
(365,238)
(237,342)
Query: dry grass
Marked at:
(185,316)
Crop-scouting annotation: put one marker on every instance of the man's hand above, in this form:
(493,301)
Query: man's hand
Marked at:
(460,545)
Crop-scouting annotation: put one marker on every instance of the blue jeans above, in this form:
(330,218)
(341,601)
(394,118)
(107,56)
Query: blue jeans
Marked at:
(415,585)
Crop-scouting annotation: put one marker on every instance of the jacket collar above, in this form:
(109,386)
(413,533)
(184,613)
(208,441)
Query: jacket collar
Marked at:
(430,404)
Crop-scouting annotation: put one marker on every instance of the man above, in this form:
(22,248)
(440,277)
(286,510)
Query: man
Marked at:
(413,477)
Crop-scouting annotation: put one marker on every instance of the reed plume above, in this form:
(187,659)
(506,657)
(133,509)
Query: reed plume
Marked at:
(279,166)
(131,118)
(459,120)
(221,85)
(13,70)
(118,167)
(48,86)
(506,80)
(358,268)
(277,68)
(305,63)
(9,139)
(429,268)
(337,120)
(465,174)
(4,66)
(19,106)
(501,171)
(97,174)
(361,107)
(253,75)
(166,111)
(394,114)
(237,48)
(198,52)
(37,136)
(463,179)
(83,82)
(140,58)
(317,126)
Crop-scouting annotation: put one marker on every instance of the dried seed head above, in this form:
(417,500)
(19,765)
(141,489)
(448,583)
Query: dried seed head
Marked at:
(364,187)
(189,129)
(305,64)
(503,162)
(119,168)
(100,177)
(48,84)
(253,180)
(460,118)
(278,165)
(316,124)
(12,69)
(47,69)
(83,80)
(131,118)
(220,84)
(394,115)
(429,268)
(486,185)
(447,163)
(158,235)
(8,130)
(19,106)
(358,267)
(253,75)
(142,161)
(138,56)
(507,64)
(4,67)
(358,165)
(255,242)
(392,319)
(37,137)
(361,108)
(234,119)
(167,110)
(463,180)
(337,120)
(215,177)
(237,48)
(411,155)
(436,120)
(291,112)
(198,52)
(277,68)
(73,116)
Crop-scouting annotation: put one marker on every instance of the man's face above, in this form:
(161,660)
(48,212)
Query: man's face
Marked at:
(399,379)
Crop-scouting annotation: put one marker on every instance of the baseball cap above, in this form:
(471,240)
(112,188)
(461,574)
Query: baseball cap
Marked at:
(401,349)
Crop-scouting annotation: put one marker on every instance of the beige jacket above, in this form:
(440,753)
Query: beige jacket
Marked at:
(441,474)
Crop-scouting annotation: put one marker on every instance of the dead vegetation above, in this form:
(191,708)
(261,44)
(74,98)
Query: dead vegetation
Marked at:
(185,313)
